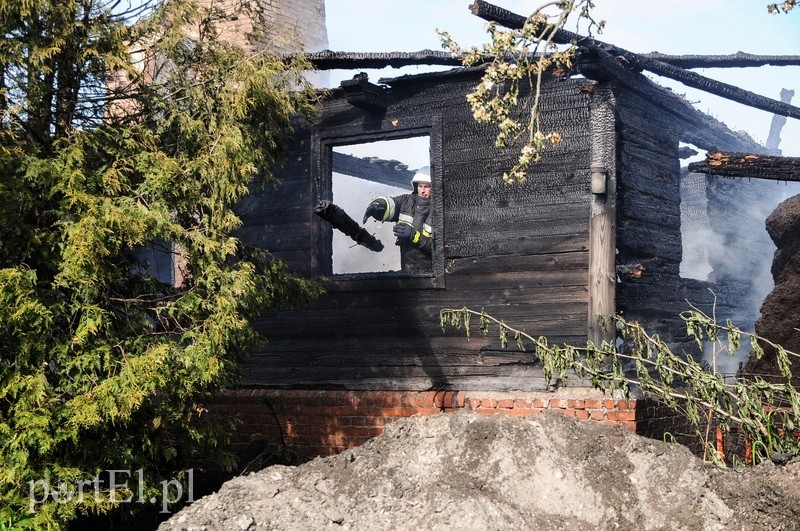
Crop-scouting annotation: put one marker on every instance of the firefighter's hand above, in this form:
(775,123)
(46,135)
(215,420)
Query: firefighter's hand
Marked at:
(403,231)
(376,210)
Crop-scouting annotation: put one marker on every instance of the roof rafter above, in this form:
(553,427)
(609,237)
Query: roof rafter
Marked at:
(331,60)
(736,60)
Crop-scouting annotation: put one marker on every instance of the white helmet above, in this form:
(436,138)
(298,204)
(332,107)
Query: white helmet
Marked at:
(423,175)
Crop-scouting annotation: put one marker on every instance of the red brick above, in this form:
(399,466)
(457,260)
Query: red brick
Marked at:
(444,399)
(302,419)
(327,410)
(582,414)
(386,399)
(426,399)
(310,429)
(596,414)
(538,402)
(408,399)
(368,421)
(626,405)
(591,403)
(621,415)
(460,398)
(609,403)
(489,403)
(471,403)
(507,403)
(576,404)
(360,431)
(519,412)
(520,403)
(396,411)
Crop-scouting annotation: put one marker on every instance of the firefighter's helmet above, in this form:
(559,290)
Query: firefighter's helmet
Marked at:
(423,175)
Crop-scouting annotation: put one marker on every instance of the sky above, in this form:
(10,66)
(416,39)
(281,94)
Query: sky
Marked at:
(668,26)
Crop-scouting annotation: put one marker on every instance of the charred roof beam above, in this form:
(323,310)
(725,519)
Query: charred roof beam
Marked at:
(736,60)
(749,165)
(704,131)
(330,60)
(363,94)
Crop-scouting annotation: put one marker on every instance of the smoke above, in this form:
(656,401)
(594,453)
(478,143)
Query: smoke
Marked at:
(725,243)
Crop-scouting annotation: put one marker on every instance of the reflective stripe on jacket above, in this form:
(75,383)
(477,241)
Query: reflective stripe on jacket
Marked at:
(412,210)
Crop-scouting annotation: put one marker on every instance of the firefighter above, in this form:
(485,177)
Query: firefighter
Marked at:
(411,214)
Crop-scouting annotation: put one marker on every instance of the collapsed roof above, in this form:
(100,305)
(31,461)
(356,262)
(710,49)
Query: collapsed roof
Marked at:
(625,66)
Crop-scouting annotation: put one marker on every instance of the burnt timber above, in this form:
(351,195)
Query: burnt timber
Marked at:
(749,165)
(332,60)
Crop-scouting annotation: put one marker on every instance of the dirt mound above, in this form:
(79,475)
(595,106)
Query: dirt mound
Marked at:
(470,471)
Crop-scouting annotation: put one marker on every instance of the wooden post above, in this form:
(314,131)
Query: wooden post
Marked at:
(602,221)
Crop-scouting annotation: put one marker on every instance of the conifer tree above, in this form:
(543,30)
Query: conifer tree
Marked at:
(126,134)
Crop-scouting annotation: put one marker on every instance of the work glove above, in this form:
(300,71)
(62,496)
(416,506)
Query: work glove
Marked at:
(376,210)
(403,231)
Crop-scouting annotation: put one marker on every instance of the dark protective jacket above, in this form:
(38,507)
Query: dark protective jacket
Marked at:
(411,209)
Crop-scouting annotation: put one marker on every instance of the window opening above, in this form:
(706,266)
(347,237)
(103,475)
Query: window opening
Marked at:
(362,173)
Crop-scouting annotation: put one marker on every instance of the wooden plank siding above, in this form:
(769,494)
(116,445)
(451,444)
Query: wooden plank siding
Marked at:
(648,213)
(540,255)
(519,252)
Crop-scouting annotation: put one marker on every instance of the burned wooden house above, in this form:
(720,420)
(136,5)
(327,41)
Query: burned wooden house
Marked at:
(596,229)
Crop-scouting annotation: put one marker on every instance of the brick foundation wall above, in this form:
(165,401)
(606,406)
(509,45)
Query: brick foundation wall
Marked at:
(657,421)
(309,423)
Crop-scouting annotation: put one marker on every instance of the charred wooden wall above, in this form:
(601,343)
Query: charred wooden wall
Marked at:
(519,252)
(649,217)
(650,229)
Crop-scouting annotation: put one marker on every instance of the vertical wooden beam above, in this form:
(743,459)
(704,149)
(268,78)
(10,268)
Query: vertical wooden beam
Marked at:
(603,212)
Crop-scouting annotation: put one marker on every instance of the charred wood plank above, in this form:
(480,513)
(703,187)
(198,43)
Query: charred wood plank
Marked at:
(363,94)
(737,60)
(340,220)
(749,165)
(330,60)
(718,88)
(511,20)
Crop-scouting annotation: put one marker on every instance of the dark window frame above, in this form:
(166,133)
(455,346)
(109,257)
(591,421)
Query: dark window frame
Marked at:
(322,144)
